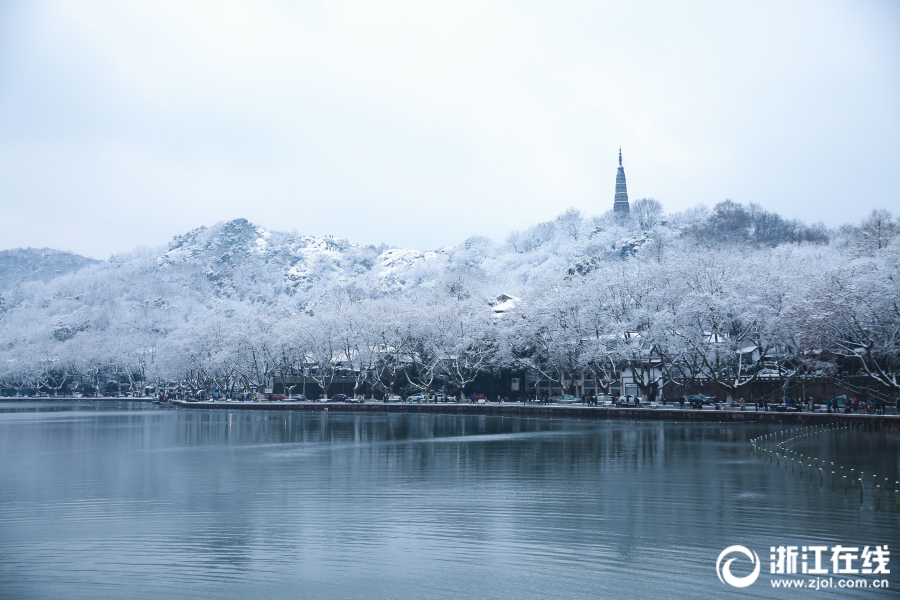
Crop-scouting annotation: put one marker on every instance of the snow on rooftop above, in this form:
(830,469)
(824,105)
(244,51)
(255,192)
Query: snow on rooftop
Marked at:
(506,302)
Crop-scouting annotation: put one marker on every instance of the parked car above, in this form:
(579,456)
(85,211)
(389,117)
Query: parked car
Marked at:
(568,400)
(393,398)
(277,397)
(339,398)
(700,398)
(841,401)
(300,397)
(627,401)
(769,373)
(415,398)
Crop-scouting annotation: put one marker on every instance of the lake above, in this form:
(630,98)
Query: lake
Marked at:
(106,499)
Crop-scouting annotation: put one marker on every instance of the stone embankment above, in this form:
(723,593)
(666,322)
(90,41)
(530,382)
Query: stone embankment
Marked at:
(566,412)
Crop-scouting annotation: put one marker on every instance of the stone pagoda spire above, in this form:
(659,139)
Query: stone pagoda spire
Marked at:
(620,207)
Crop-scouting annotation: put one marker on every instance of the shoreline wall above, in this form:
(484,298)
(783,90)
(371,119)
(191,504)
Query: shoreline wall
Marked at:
(891,422)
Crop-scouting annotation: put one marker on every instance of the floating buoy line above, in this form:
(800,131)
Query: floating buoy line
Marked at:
(761,447)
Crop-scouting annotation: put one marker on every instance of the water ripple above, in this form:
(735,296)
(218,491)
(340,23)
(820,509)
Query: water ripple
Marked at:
(211,504)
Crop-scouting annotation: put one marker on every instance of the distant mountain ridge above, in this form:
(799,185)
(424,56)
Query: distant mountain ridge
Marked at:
(243,261)
(21,265)
(237,255)
(236,259)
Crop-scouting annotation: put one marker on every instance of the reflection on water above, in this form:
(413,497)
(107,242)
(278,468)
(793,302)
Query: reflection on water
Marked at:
(121,500)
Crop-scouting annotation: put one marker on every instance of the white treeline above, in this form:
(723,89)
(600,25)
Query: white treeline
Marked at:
(721,295)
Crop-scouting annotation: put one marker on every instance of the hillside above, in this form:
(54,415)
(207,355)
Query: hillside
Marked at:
(22,265)
(233,301)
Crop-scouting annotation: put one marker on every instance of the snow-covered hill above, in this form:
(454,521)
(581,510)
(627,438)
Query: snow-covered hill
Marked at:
(224,305)
(37,264)
(242,262)
(239,255)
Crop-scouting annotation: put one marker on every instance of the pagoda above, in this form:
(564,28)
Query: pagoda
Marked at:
(620,207)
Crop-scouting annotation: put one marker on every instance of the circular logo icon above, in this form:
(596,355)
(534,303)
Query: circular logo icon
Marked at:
(724,571)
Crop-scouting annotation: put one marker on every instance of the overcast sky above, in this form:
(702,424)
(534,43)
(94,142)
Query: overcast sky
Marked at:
(421,123)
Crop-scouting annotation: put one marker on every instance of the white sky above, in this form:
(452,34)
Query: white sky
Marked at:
(123,123)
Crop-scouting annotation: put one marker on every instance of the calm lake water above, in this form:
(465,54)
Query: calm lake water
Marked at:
(130,500)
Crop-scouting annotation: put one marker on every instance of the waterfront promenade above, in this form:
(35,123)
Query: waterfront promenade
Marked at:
(564,412)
